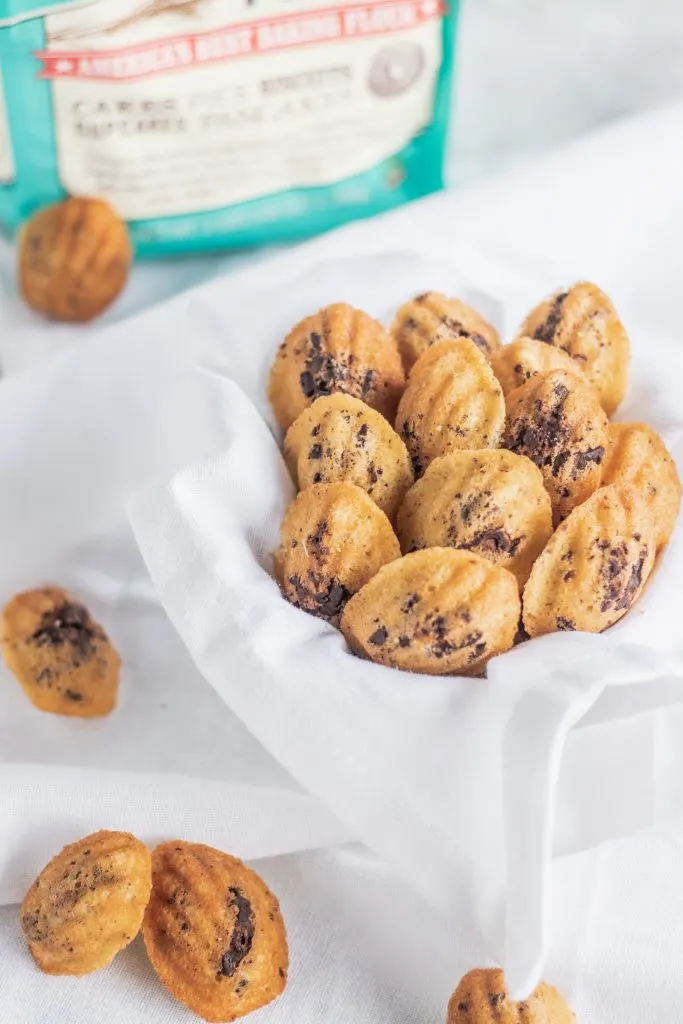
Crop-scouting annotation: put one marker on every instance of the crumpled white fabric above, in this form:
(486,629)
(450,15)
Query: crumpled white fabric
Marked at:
(79,436)
(452,782)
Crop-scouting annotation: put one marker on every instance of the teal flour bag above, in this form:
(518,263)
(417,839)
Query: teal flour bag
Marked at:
(223,123)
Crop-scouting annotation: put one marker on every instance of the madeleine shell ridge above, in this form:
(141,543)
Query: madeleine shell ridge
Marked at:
(333,540)
(492,503)
(214,932)
(637,456)
(432,317)
(583,322)
(594,567)
(452,401)
(338,349)
(340,438)
(74,259)
(437,612)
(87,904)
(556,421)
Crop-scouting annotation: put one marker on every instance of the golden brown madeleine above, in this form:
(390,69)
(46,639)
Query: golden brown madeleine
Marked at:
(452,401)
(341,438)
(214,932)
(62,658)
(492,503)
(88,903)
(432,317)
(594,566)
(333,540)
(438,612)
(555,419)
(482,997)
(583,323)
(636,456)
(339,349)
(516,363)
(74,259)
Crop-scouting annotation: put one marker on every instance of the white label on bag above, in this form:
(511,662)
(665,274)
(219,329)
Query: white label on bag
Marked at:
(179,106)
(6,154)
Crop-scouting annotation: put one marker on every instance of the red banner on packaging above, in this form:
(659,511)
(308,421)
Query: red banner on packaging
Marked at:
(268,35)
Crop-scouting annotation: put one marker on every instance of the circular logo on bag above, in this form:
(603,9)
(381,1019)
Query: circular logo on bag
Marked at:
(395,69)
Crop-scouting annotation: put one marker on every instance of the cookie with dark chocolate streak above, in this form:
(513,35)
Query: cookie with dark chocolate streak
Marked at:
(339,349)
(595,565)
(341,438)
(482,997)
(433,317)
(87,903)
(555,420)
(214,932)
(437,612)
(582,322)
(63,659)
(492,503)
(333,540)
(518,362)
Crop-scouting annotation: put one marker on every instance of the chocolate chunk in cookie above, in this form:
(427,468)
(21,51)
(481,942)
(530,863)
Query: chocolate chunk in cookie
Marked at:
(339,349)
(214,932)
(60,655)
(584,324)
(437,611)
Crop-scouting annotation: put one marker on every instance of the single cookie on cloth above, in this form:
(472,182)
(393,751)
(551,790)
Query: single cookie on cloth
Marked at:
(594,567)
(432,317)
(214,932)
(516,363)
(636,456)
(63,659)
(74,259)
(583,323)
(437,612)
(341,438)
(452,401)
(482,997)
(333,540)
(555,419)
(88,903)
(339,349)
(492,503)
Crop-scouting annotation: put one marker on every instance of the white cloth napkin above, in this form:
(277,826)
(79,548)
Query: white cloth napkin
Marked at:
(453,782)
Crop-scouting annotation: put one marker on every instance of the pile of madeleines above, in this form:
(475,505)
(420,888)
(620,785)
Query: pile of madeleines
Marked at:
(212,929)
(457,495)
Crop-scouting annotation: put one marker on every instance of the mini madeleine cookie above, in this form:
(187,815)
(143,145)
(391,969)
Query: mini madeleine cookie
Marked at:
(88,903)
(492,503)
(339,349)
(583,323)
(63,659)
(555,419)
(341,438)
(333,540)
(452,401)
(594,566)
(482,997)
(516,363)
(214,932)
(74,259)
(438,612)
(636,456)
(432,317)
